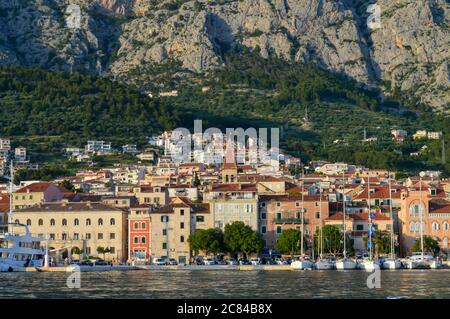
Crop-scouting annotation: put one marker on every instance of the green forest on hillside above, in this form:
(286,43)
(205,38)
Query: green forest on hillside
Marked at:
(47,111)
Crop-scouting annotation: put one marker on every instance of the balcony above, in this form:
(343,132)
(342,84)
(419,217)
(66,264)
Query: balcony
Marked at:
(289,221)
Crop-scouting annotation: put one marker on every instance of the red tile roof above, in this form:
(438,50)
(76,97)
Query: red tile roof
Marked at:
(35,188)
(4,203)
(439,206)
(234,188)
(357,216)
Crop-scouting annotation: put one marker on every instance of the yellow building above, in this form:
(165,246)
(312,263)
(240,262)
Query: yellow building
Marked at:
(84,225)
(36,193)
(172,225)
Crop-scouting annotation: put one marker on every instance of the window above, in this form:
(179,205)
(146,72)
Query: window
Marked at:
(263,204)
(182,225)
(164,219)
(52,236)
(112,221)
(112,236)
(64,236)
(88,250)
(100,222)
(136,225)
(200,219)
(412,227)
(297,204)
(182,212)
(88,222)
(360,227)
(435,226)
(278,215)
(164,245)
(40,222)
(136,240)
(377,201)
(76,222)
(100,236)
(143,239)
(28,222)
(317,215)
(279,230)
(181,239)
(263,215)
(445,226)
(88,235)
(76,236)
(17,221)
(263,229)
(164,232)
(143,226)
(52,222)
(415,210)
(278,204)
(433,192)
(112,250)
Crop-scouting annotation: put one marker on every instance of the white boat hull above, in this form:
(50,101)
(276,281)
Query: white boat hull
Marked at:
(392,264)
(368,265)
(324,265)
(302,264)
(345,264)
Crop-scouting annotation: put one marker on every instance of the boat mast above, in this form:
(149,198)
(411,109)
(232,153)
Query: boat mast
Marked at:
(392,217)
(369,219)
(421,218)
(302,234)
(321,226)
(11,181)
(343,213)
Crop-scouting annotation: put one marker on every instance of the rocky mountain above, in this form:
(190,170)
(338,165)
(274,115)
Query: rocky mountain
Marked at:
(144,41)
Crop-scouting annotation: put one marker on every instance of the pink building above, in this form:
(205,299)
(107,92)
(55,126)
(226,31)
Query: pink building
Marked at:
(282,212)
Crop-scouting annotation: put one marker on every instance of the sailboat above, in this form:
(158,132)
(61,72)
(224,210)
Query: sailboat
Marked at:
(322,263)
(369,264)
(391,262)
(344,263)
(303,262)
(420,260)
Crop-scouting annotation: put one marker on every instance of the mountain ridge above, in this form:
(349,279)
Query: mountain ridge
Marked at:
(136,41)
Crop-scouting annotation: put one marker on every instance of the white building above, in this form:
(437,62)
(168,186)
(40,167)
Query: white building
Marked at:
(20,154)
(99,147)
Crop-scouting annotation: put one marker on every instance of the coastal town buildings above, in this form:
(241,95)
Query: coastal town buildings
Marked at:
(85,225)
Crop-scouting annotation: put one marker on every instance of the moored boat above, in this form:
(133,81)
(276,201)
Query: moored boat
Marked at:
(368,265)
(20,251)
(324,264)
(302,264)
(345,264)
(392,264)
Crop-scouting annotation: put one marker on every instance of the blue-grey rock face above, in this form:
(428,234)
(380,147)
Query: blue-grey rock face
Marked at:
(406,46)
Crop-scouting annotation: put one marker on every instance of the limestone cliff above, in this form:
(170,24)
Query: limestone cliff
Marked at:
(129,39)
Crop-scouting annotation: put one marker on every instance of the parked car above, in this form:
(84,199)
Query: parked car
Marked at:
(209,261)
(221,262)
(86,263)
(281,261)
(232,262)
(100,262)
(255,261)
(172,262)
(198,261)
(160,261)
(244,262)
(75,262)
(271,262)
